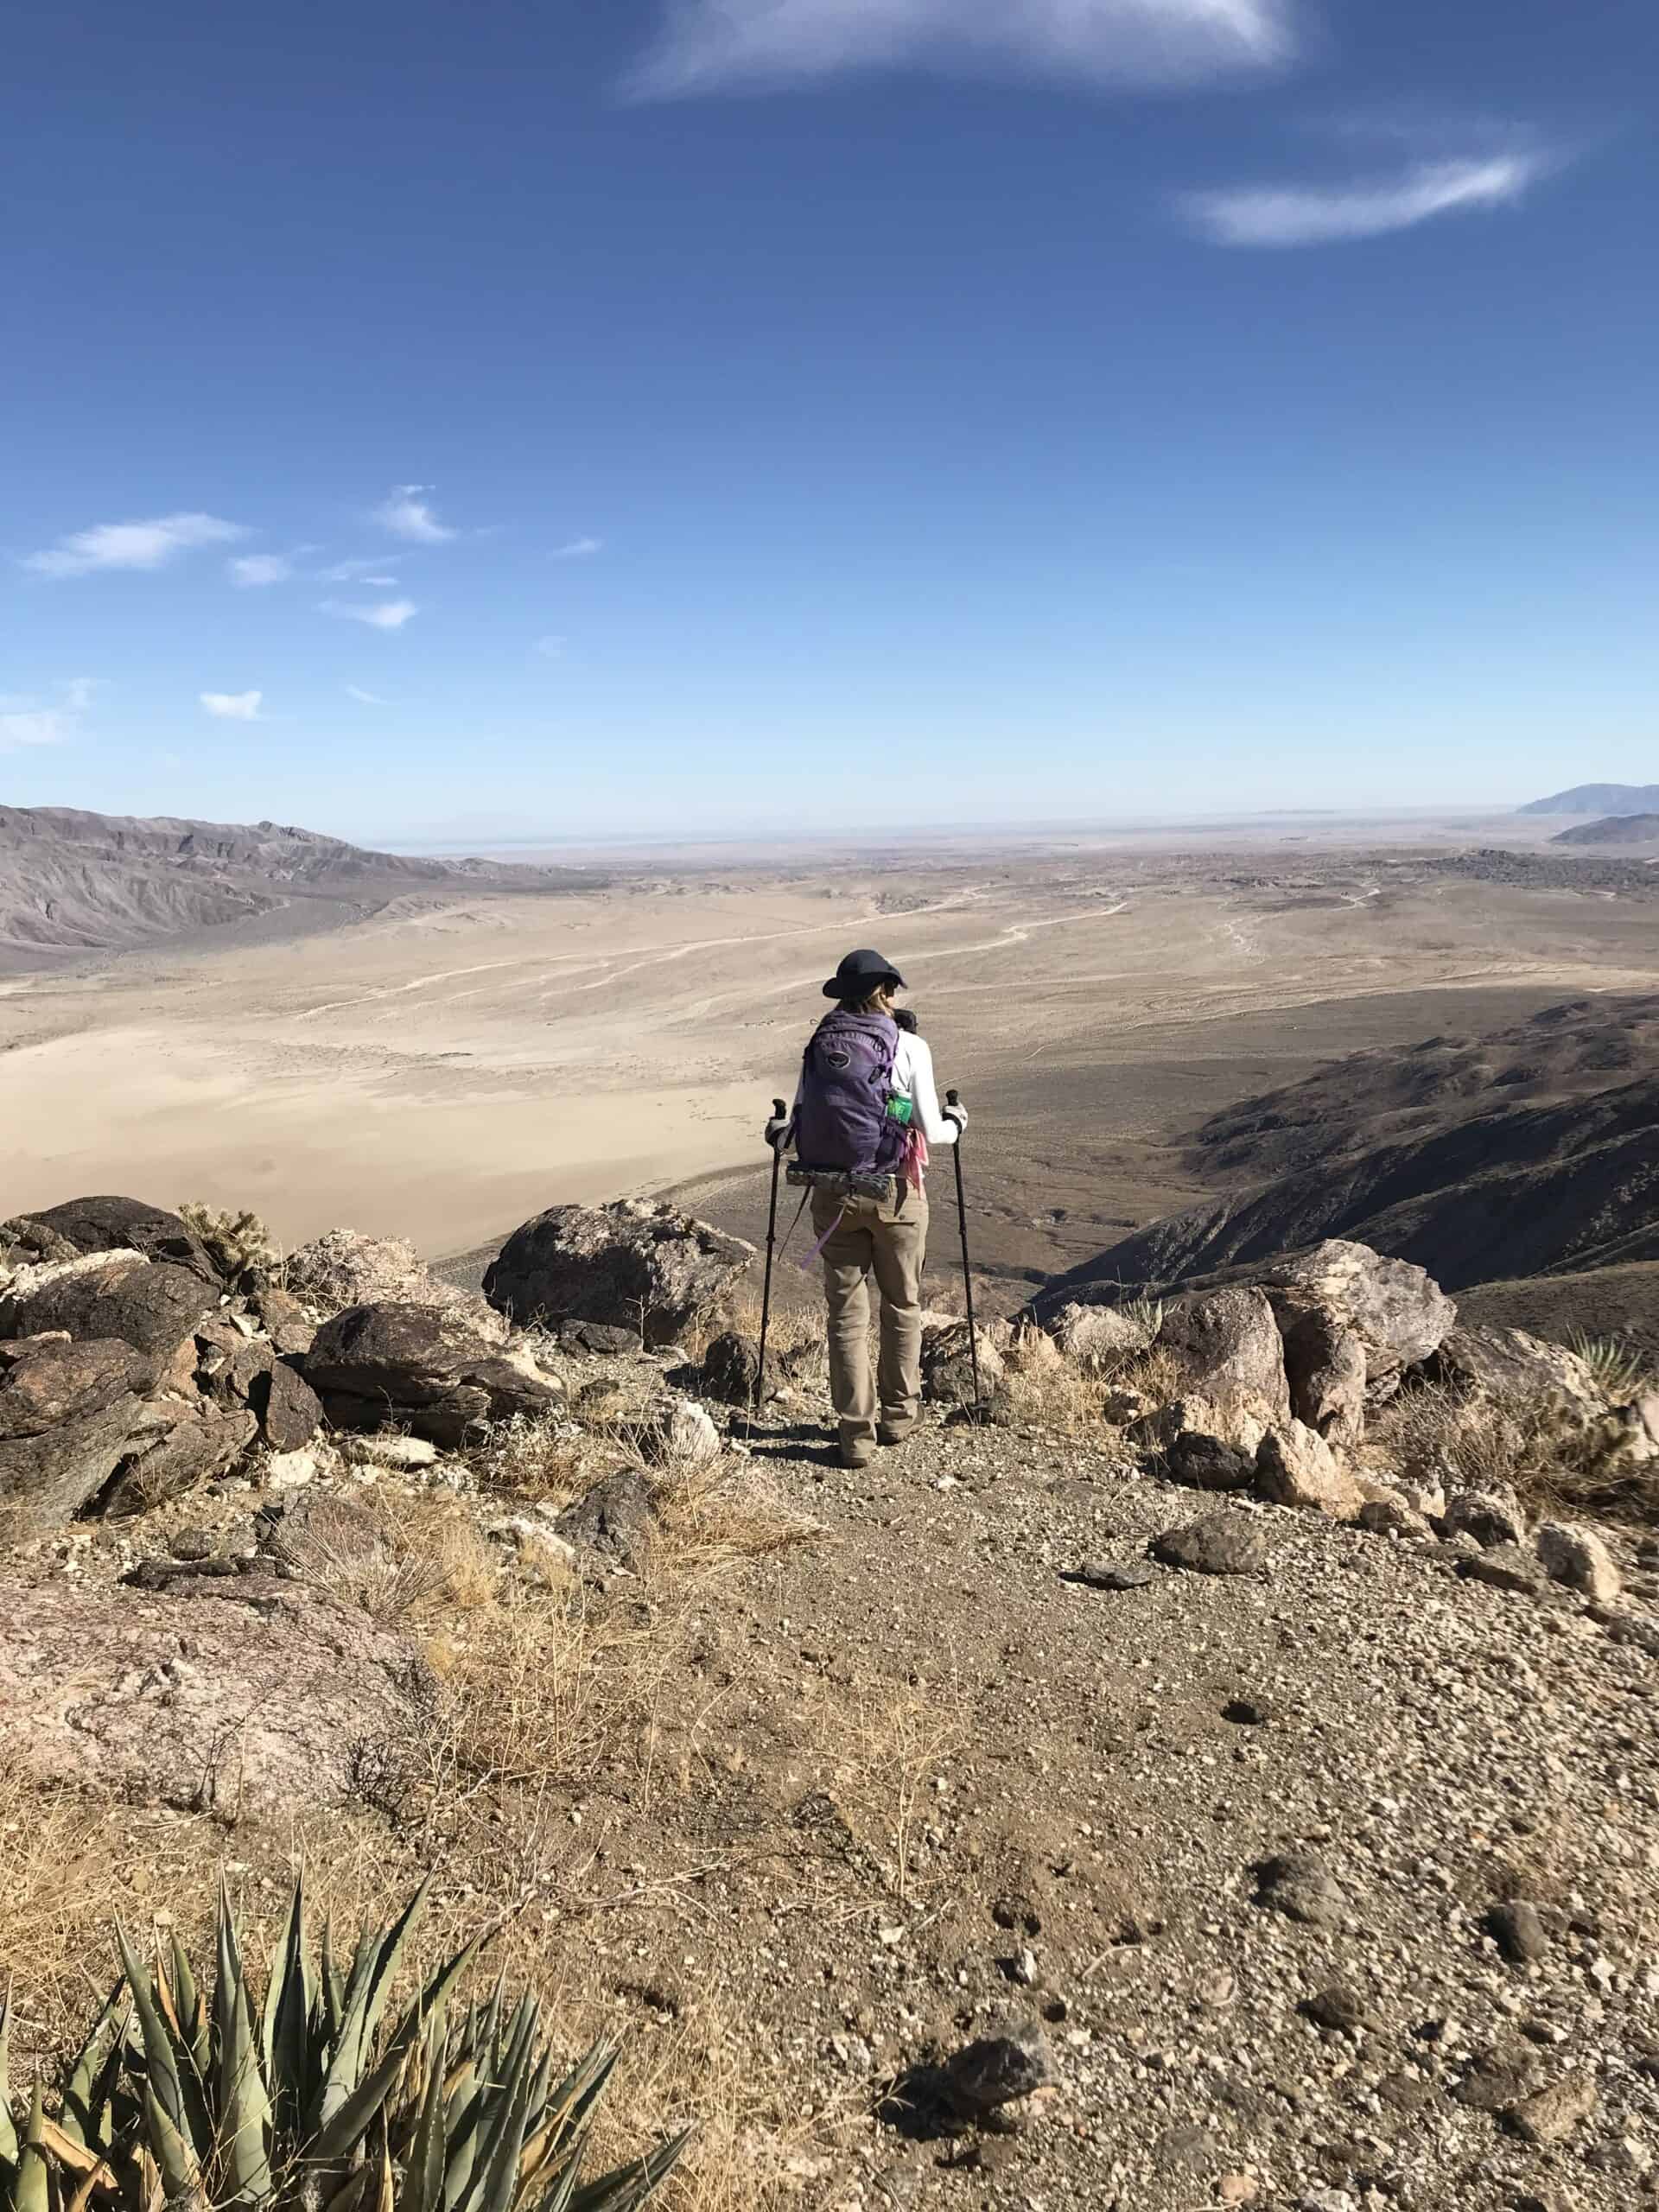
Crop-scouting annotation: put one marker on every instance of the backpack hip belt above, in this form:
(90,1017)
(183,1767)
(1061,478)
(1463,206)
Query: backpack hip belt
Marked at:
(841,1182)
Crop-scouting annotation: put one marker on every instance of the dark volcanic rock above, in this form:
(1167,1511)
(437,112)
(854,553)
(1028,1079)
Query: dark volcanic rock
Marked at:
(106,1225)
(233,1693)
(1222,1543)
(1205,1463)
(602,1337)
(730,1369)
(289,1411)
(635,1265)
(423,1368)
(1326,1362)
(615,1519)
(1011,2061)
(66,1411)
(1300,1886)
(153,1306)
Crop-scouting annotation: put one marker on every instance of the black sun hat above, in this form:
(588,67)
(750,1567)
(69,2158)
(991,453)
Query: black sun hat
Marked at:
(862,973)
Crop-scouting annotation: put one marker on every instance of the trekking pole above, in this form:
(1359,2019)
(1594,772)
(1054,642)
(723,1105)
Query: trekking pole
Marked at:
(778,1112)
(953,1098)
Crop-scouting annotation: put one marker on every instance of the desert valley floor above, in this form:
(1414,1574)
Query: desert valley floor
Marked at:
(454,1062)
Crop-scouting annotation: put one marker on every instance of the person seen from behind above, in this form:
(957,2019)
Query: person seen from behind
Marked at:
(866,1114)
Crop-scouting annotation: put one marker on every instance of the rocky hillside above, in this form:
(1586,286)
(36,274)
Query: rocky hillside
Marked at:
(1223,1777)
(1614,829)
(1600,798)
(73,882)
(1532,1150)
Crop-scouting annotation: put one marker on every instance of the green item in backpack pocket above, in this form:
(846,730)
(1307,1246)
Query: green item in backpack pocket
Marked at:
(900,1109)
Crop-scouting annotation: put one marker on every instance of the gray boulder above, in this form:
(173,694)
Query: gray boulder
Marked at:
(1229,1355)
(1326,1362)
(66,1411)
(631,1265)
(229,1694)
(1205,1463)
(110,1225)
(729,1368)
(423,1368)
(1295,1467)
(1398,1311)
(1222,1543)
(616,1519)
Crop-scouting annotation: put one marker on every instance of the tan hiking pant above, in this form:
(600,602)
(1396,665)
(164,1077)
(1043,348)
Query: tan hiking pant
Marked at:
(886,1238)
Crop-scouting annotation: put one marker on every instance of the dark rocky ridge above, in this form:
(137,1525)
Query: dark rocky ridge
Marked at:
(1614,829)
(1479,1159)
(72,882)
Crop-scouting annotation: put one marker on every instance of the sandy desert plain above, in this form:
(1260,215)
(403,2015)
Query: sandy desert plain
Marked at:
(454,1063)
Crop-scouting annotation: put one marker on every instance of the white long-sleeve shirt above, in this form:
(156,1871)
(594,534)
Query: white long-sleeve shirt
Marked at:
(912,1078)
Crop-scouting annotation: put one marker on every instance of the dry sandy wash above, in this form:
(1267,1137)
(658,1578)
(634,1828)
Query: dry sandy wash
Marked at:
(447,1068)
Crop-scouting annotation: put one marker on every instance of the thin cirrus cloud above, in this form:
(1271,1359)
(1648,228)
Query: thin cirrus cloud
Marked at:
(406,513)
(233,706)
(359,571)
(712,46)
(1293,215)
(366,698)
(251,570)
(132,544)
(380,613)
(579,549)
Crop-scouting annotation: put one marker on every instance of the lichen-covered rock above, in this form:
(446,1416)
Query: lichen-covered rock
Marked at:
(948,1365)
(1489,1517)
(228,1693)
(631,1265)
(1398,1311)
(175,1447)
(423,1368)
(1296,1466)
(342,1269)
(615,1519)
(729,1369)
(1222,1543)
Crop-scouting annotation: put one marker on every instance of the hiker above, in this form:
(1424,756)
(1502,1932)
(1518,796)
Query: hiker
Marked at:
(866,1112)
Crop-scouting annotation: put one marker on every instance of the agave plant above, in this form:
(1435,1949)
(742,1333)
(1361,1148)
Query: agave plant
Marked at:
(303,2103)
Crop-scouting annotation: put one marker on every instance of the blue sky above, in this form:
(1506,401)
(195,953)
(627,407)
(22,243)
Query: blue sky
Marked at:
(479,417)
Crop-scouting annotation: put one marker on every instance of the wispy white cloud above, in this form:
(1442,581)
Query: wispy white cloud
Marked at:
(579,549)
(359,571)
(551,648)
(407,514)
(707,46)
(1293,215)
(26,722)
(34,726)
(132,544)
(379,614)
(366,698)
(233,706)
(250,570)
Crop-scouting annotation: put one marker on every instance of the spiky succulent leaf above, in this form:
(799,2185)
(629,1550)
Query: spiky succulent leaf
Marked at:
(85,2116)
(285,2028)
(341,2135)
(366,1997)
(31,2191)
(423,2164)
(629,2186)
(9,2144)
(175,2114)
(241,2105)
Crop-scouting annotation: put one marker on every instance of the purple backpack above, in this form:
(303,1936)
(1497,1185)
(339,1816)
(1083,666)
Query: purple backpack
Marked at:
(842,1122)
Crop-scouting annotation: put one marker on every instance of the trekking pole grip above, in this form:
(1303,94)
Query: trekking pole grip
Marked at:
(778,1109)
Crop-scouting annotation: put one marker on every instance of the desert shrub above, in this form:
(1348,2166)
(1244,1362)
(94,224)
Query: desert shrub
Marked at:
(300,2098)
(239,1244)
(1548,1455)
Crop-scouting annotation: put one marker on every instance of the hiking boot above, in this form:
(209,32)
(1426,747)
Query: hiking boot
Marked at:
(857,1452)
(896,1432)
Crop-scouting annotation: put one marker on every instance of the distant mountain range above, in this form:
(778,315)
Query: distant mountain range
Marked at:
(1600,798)
(77,883)
(1614,829)
(1526,1153)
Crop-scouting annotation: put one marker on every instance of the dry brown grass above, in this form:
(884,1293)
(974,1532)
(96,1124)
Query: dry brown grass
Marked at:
(1549,1458)
(411,1567)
